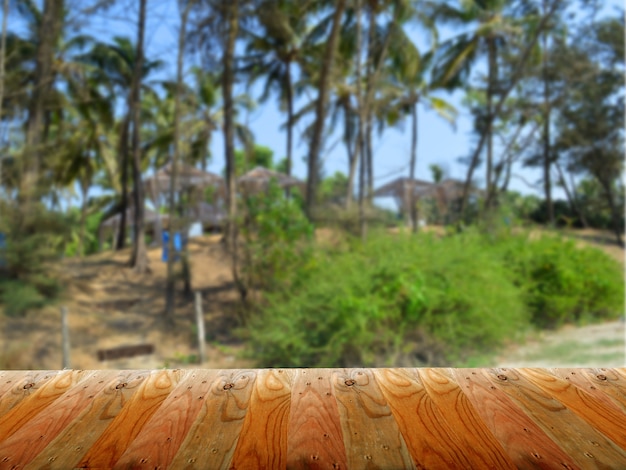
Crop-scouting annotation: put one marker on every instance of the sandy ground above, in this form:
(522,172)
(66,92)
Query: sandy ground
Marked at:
(110,305)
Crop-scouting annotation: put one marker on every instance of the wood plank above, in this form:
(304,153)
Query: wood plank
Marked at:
(422,424)
(123,429)
(46,392)
(463,417)
(602,388)
(586,446)
(213,437)
(315,440)
(8,378)
(371,435)
(24,445)
(263,439)
(525,442)
(79,436)
(606,418)
(160,438)
(23,387)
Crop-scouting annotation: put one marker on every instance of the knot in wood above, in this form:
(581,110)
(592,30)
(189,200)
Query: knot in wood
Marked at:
(27,386)
(228,386)
(350,382)
(601,377)
(122,385)
(502,377)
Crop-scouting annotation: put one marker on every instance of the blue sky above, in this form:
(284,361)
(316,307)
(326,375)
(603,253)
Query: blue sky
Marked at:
(438,142)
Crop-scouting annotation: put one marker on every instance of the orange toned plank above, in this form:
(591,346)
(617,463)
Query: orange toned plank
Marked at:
(524,441)
(606,418)
(371,435)
(29,440)
(77,438)
(263,439)
(314,438)
(431,440)
(45,394)
(23,386)
(123,429)
(162,435)
(600,385)
(463,418)
(213,437)
(582,442)
(8,379)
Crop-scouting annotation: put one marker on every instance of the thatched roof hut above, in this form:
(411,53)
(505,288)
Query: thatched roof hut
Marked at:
(259,178)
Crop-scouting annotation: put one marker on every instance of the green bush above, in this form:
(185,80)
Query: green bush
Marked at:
(563,283)
(18,297)
(396,300)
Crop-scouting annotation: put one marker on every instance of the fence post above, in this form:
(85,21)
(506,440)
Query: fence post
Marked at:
(65,333)
(200,326)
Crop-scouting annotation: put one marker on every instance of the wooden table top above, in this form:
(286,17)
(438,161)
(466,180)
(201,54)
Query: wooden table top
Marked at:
(314,418)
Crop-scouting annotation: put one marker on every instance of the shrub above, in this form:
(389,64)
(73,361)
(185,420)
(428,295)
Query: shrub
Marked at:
(563,283)
(396,300)
(18,297)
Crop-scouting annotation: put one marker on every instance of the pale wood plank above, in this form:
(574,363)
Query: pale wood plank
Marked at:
(582,442)
(77,438)
(213,437)
(371,435)
(23,386)
(602,388)
(46,392)
(263,439)
(525,442)
(123,429)
(8,379)
(315,439)
(24,445)
(463,417)
(606,418)
(160,438)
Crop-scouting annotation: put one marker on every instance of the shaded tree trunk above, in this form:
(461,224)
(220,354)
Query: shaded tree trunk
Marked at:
(358,150)
(139,258)
(3,47)
(615,214)
(413,208)
(123,149)
(320,109)
(170,282)
(547,158)
(49,31)
(491,73)
(350,148)
(83,218)
(570,196)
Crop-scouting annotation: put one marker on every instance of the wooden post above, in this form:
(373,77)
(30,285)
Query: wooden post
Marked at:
(65,333)
(200,325)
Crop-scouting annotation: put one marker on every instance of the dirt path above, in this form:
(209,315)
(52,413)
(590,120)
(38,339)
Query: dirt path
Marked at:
(601,345)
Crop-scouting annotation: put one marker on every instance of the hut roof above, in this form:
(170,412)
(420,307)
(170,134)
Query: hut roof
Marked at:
(188,177)
(259,177)
(326,418)
(399,186)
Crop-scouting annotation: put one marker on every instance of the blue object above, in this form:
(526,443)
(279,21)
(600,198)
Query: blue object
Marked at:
(179,243)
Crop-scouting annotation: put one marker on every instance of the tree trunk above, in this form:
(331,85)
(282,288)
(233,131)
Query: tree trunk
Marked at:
(515,76)
(547,183)
(570,197)
(350,148)
(615,214)
(228,78)
(413,208)
(49,31)
(139,258)
(358,148)
(3,47)
(83,218)
(320,109)
(123,148)
(491,72)
(170,282)
(289,87)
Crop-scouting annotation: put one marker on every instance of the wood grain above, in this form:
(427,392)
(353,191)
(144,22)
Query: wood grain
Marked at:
(125,427)
(28,441)
(588,447)
(213,437)
(8,379)
(371,435)
(263,439)
(604,417)
(160,438)
(80,435)
(422,423)
(315,439)
(23,387)
(46,391)
(525,442)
